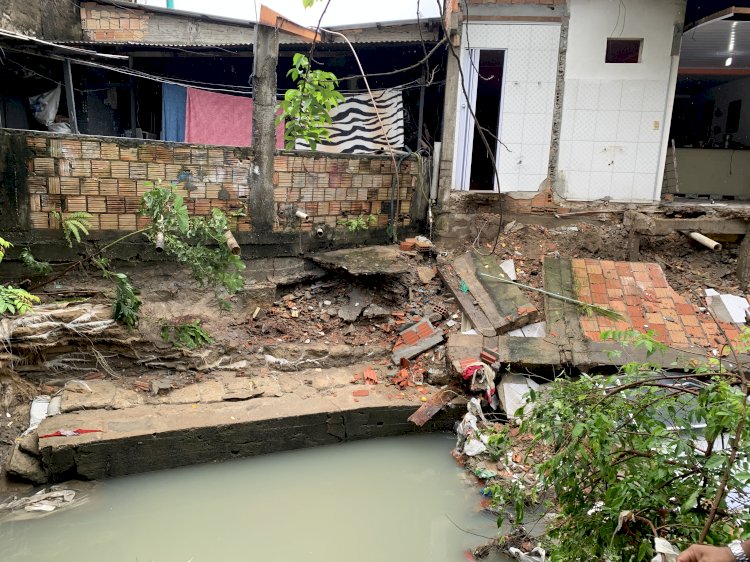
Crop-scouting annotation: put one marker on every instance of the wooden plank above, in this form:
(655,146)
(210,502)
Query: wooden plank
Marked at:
(464,267)
(275,20)
(512,304)
(70,97)
(466,303)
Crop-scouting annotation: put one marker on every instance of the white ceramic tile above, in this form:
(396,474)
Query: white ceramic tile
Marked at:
(537,128)
(651,126)
(622,185)
(585,125)
(588,95)
(643,187)
(530,182)
(655,95)
(519,36)
(603,157)
(508,182)
(542,66)
(511,127)
(624,156)
(632,95)
(610,92)
(606,125)
(600,185)
(577,185)
(554,37)
(517,65)
(581,153)
(539,97)
(563,156)
(629,126)
(515,97)
(508,158)
(647,158)
(570,94)
(534,159)
(568,122)
(541,38)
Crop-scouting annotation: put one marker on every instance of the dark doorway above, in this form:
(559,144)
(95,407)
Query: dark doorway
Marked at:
(487,109)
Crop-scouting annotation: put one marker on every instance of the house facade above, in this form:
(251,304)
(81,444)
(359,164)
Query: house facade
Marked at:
(575,98)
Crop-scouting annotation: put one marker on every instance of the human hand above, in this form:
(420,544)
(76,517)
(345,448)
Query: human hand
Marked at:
(705,553)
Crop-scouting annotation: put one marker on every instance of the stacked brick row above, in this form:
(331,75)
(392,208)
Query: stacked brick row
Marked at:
(107,177)
(110,23)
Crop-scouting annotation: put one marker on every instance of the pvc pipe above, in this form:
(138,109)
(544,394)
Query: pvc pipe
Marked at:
(159,242)
(232,243)
(435,170)
(706,241)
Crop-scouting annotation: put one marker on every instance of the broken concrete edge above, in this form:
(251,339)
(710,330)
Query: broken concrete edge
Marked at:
(147,438)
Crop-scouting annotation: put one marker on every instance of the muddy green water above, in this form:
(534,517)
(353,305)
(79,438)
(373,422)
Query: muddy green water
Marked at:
(384,500)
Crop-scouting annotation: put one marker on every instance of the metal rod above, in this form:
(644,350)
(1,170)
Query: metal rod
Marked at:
(70,96)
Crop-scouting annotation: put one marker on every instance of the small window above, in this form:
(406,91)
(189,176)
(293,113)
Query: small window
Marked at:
(624,51)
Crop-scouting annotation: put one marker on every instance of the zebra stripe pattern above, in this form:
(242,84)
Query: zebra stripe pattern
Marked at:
(355,128)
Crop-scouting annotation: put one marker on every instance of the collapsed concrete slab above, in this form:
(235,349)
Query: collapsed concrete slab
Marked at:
(146,438)
(369,260)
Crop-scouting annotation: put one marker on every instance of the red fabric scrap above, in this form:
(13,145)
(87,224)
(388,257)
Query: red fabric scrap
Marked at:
(75,432)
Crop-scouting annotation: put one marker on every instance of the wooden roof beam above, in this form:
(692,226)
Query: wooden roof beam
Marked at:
(274,19)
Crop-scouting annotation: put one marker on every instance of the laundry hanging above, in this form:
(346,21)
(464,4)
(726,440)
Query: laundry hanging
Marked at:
(173,100)
(355,127)
(221,119)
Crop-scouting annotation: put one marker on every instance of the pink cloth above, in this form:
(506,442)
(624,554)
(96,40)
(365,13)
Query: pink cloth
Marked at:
(213,118)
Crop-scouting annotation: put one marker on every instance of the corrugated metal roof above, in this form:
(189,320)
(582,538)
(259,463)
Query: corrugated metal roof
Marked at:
(716,39)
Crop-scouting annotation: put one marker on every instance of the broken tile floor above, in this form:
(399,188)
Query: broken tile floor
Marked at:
(640,293)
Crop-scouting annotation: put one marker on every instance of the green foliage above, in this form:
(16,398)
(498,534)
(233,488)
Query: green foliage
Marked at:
(12,299)
(74,225)
(306,108)
(187,334)
(127,304)
(16,301)
(4,245)
(39,267)
(195,241)
(634,452)
(360,222)
(308,3)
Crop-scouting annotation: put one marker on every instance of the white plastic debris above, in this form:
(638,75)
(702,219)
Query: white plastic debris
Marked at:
(512,391)
(538,554)
(469,441)
(727,308)
(39,409)
(509,268)
(662,546)
(536,330)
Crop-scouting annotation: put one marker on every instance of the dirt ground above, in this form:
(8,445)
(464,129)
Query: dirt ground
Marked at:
(296,323)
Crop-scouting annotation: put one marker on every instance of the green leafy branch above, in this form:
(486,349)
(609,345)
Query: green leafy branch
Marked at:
(361,222)
(189,335)
(12,299)
(305,109)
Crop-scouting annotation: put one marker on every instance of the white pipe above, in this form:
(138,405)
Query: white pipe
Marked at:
(706,241)
(435,170)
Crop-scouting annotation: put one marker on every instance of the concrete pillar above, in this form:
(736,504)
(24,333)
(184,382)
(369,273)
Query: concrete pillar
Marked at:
(262,209)
(447,150)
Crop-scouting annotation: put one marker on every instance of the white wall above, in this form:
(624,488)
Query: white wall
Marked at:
(614,115)
(527,103)
(724,95)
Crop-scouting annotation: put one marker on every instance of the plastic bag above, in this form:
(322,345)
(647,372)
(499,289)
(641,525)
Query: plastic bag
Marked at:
(44,106)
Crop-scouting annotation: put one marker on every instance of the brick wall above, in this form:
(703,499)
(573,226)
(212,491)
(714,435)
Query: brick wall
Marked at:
(105,22)
(107,176)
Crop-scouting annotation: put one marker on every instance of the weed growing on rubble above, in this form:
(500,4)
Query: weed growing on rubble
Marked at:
(187,334)
(38,267)
(361,222)
(12,299)
(641,454)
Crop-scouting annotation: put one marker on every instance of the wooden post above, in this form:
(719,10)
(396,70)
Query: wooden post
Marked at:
(743,263)
(133,106)
(265,57)
(70,96)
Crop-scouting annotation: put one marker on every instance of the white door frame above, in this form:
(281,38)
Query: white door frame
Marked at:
(464,141)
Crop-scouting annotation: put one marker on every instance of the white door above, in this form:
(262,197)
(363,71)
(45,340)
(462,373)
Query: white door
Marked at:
(465,132)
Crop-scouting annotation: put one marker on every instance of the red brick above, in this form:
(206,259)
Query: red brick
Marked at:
(361,392)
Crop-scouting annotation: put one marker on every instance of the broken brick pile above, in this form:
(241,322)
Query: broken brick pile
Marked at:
(640,293)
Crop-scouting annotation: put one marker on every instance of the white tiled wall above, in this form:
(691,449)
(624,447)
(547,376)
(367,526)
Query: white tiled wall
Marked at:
(527,99)
(611,138)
